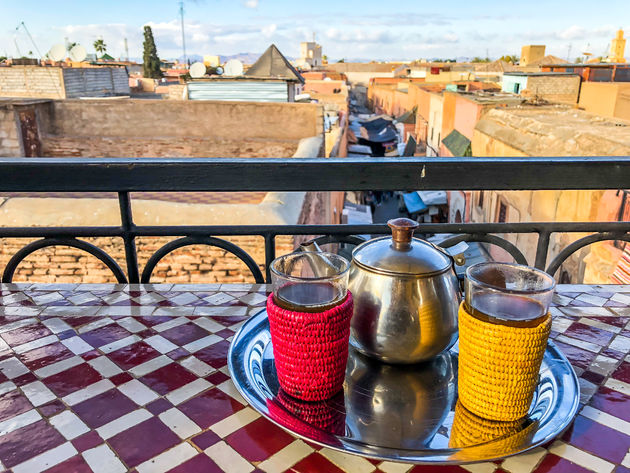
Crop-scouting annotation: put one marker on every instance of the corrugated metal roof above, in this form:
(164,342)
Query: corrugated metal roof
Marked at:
(242,91)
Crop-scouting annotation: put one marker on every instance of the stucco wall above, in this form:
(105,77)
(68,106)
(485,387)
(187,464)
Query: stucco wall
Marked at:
(610,99)
(509,83)
(435,122)
(467,116)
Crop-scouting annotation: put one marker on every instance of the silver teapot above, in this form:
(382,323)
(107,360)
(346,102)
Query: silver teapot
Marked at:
(406,297)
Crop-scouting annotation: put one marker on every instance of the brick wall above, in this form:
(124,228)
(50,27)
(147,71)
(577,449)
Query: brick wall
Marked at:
(186,118)
(560,89)
(98,147)
(31,81)
(193,264)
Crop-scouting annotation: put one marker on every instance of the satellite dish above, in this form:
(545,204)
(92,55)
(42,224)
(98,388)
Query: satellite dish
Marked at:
(197,70)
(78,53)
(219,70)
(57,52)
(233,68)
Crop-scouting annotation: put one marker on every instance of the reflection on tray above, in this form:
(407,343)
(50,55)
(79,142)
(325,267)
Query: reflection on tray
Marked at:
(396,405)
(309,418)
(470,430)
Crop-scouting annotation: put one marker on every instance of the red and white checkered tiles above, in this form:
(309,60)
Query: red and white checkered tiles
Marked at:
(111,378)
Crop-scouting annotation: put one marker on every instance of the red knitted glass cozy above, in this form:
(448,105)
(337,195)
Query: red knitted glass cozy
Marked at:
(310,349)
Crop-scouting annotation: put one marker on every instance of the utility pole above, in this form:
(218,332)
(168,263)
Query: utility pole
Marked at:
(487,55)
(569,52)
(181,14)
(126,51)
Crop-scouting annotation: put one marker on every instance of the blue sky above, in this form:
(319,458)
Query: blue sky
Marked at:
(397,30)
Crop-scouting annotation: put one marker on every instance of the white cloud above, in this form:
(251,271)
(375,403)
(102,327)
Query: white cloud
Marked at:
(269,30)
(573,32)
(251,3)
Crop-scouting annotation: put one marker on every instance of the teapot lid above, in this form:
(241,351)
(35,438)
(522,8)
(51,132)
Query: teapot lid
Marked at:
(401,253)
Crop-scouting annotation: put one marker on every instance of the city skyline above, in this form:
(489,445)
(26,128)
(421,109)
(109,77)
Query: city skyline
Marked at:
(367,30)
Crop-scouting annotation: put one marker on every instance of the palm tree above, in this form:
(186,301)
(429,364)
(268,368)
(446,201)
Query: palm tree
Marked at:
(100,46)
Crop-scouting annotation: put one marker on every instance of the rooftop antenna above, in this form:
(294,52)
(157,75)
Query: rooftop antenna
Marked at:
(569,52)
(181,14)
(313,36)
(126,51)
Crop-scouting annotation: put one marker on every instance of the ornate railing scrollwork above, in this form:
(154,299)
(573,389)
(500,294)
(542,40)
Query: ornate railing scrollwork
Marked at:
(581,243)
(491,239)
(197,240)
(32,247)
(125,175)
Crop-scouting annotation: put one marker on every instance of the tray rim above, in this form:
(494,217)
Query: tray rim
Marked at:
(258,318)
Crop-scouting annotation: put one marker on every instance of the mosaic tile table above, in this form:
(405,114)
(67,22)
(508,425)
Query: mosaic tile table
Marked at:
(111,378)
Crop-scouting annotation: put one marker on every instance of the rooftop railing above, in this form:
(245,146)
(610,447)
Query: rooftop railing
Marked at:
(125,175)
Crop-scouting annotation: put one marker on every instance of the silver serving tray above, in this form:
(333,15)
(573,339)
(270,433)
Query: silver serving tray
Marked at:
(396,413)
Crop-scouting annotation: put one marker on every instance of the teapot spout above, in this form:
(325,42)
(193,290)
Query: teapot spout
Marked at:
(320,265)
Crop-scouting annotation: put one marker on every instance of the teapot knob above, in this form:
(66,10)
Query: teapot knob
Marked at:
(402,231)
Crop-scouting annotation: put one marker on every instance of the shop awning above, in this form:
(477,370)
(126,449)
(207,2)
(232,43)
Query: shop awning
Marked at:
(457,144)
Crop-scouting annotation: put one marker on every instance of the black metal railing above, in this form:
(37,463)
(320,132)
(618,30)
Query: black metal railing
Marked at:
(124,175)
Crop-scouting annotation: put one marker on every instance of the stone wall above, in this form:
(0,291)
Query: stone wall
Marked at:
(9,141)
(193,264)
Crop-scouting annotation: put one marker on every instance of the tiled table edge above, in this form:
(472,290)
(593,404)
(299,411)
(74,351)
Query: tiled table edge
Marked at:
(590,325)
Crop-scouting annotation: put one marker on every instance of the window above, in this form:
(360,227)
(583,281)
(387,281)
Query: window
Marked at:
(480,199)
(502,214)
(517,88)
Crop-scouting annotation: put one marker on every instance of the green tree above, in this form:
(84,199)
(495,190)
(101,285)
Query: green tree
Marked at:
(511,59)
(480,59)
(100,46)
(150,60)
(579,60)
(341,60)
(69,46)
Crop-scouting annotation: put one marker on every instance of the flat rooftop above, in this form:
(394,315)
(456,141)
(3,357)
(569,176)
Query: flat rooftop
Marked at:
(555,130)
(490,98)
(536,74)
(586,64)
